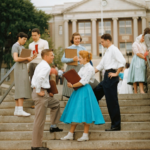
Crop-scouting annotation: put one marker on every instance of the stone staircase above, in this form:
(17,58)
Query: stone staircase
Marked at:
(16,132)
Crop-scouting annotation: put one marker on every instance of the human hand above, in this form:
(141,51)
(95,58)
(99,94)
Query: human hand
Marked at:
(51,94)
(69,85)
(35,55)
(42,93)
(75,58)
(110,75)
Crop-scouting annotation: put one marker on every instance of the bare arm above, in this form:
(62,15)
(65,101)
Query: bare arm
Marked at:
(20,59)
(110,75)
(78,84)
(140,55)
(96,70)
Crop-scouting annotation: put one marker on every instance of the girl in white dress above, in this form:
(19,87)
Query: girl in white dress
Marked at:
(126,88)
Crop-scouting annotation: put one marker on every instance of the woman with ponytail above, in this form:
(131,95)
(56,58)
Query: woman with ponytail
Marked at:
(82,106)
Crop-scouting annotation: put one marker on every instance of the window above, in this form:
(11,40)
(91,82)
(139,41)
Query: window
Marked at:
(126,48)
(60,30)
(125,27)
(84,28)
(106,27)
(87,47)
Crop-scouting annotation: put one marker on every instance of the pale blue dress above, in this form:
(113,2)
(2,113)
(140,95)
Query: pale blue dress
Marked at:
(137,70)
(68,91)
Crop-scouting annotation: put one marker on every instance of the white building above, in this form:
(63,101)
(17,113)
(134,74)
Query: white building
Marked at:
(123,19)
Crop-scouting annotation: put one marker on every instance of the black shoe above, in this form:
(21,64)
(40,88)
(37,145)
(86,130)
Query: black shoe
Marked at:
(55,130)
(113,129)
(39,148)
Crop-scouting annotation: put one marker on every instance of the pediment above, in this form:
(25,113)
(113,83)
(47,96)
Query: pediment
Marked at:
(112,5)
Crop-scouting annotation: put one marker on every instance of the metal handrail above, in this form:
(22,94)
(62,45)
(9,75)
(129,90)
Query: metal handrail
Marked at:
(8,90)
(7,74)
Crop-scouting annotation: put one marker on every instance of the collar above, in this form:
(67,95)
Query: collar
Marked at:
(109,47)
(37,41)
(75,45)
(18,43)
(43,61)
(87,64)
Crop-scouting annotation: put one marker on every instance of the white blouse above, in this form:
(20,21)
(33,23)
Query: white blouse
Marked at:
(87,74)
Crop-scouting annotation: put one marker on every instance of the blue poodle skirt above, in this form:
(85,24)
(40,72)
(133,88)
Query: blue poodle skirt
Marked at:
(82,107)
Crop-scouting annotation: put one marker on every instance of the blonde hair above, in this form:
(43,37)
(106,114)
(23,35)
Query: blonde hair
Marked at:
(46,52)
(86,55)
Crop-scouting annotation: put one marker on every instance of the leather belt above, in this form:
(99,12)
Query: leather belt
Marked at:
(109,70)
(41,88)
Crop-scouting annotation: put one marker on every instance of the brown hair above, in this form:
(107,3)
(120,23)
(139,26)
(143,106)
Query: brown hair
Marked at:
(22,34)
(86,55)
(106,37)
(146,31)
(127,65)
(73,35)
(45,52)
(36,30)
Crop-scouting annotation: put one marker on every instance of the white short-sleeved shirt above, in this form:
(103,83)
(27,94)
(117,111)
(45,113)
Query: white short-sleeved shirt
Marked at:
(42,44)
(87,74)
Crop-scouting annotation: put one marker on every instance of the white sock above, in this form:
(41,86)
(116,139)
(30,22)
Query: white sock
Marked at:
(16,108)
(85,135)
(70,134)
(20,108)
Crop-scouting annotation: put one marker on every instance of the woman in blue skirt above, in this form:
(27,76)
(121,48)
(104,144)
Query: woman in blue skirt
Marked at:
(82,107)
(137,70)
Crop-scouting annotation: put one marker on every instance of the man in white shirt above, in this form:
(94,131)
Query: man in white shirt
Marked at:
(42,99)
(37,44)
(112,62)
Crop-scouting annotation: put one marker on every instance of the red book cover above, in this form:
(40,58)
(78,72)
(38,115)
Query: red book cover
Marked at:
(36,48)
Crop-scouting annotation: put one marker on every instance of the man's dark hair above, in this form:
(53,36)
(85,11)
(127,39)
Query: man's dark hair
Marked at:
(22,34)
(36,30)
(106,37)
(45,52)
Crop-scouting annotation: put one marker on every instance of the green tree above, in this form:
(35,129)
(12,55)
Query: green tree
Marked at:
(18,16)
(58,53)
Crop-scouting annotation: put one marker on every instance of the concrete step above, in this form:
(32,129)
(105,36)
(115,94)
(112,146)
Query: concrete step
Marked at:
(120,97)
(124,110)
(125,126)
(74,145)
(30,119)
(102,103)
(93,135)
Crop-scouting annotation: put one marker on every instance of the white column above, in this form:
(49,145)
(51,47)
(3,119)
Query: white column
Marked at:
(135,27)
(115,31)
(74,26)
(66,34)
(94,37)
(143,23)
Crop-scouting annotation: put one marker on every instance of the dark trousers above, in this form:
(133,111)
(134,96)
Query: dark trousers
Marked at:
(108,87)
(61,81)
(32,67)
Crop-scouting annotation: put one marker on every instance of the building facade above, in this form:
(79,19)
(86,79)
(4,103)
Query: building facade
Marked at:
(123,19)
